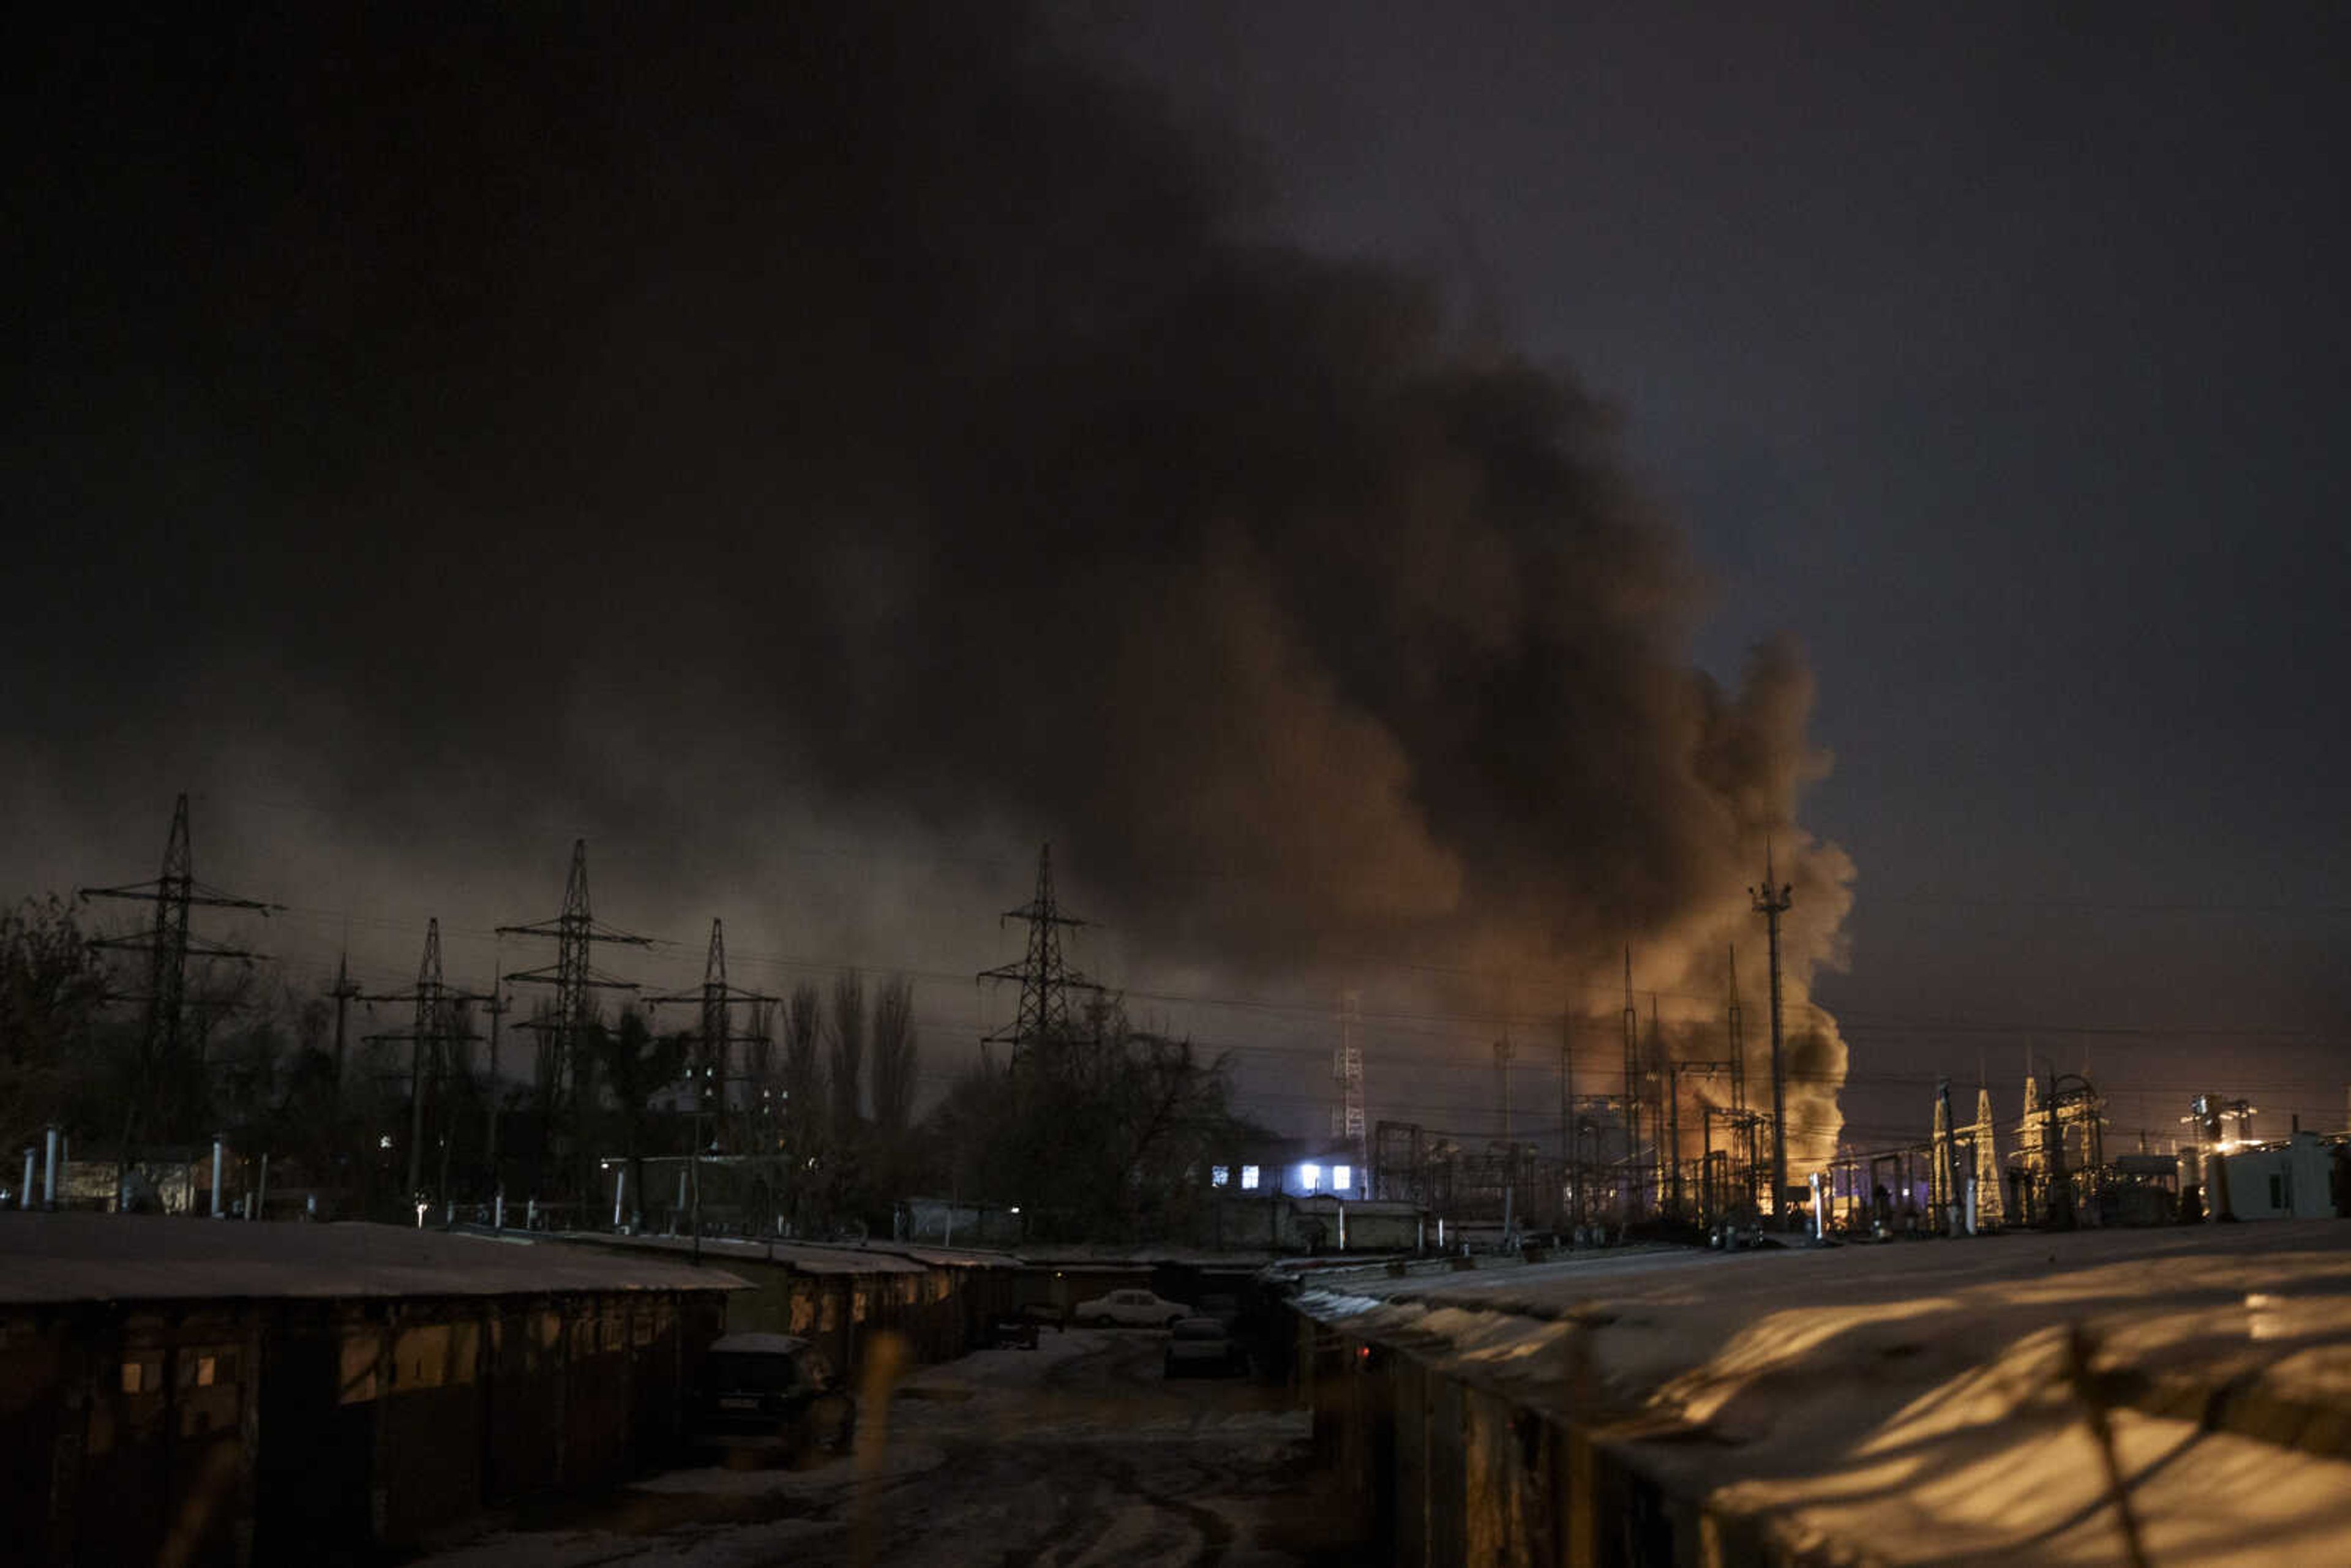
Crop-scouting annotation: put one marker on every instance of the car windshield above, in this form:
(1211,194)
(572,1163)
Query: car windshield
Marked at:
(756,1373)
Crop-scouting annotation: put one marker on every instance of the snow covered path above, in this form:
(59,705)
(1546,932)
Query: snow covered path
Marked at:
(1075,1454)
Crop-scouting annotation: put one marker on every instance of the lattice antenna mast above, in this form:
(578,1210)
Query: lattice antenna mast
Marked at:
(1771,901)
(168,943)
(712,1045)
(1347,1075)
(575,980)
(429,1040)
(1046,979)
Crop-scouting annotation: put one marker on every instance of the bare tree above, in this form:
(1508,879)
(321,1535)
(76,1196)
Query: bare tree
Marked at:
(847,1053)
(894,1055)
(50,991)
(802,1109)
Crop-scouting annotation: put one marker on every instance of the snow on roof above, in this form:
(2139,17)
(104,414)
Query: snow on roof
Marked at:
(52,1258)
(1914,1397)
(805,1257)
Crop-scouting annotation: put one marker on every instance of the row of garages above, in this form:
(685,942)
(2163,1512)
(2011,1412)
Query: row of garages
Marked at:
(191,1393)
(1883,1405)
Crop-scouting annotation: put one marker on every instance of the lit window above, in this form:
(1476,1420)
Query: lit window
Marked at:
(1310,1176)
(1248,1178)
(1219,1176)
(1342,1177)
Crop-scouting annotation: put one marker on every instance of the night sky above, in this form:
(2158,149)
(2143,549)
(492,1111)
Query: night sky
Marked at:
(1331,469)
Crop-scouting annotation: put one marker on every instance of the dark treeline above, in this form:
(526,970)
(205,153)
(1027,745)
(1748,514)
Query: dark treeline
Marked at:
(811,1129)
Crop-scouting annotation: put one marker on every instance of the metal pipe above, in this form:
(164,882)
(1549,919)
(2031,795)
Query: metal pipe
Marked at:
(49,1185)
(24,1193)
(219,1154)
(620,1192)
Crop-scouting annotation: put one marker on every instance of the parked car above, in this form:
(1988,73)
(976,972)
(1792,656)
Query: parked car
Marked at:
(772,1391)
(1132,1309)
(1203,1346)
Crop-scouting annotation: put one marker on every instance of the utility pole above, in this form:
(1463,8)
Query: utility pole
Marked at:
(168,945)
(1631,1094)
(574,976)
(1042,1019)
(1771,901)
(497,1007)
(1502,1055)
(430,1033)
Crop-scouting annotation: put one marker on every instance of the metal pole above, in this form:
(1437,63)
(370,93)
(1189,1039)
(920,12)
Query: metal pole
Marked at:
(49,1183)
(262,1195)
(218,1138)
(24,1193)
(1771,901)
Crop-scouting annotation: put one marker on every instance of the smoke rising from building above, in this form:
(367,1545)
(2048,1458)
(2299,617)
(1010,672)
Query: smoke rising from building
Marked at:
(875,410)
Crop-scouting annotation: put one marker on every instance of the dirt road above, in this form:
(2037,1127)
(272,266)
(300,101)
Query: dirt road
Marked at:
(1075,1454)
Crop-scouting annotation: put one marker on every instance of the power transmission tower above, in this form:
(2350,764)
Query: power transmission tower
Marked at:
(1571,1146)
(1043,1020)
(711,1070)
(1504,1052)
(1771,901)
(168,945)
(343,991)
(1347,1073)
(1631,1095)
(575,980)
(1669,1175)
(429,1037)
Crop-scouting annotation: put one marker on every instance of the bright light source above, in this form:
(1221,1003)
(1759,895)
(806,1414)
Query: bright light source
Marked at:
(1248,1178)
(1221,1175)
(1342,1177)
(1310,1176)
(1016,1208)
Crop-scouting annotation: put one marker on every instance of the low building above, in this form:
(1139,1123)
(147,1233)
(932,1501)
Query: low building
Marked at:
(209,1393)
(2295,1179)
(941,1302)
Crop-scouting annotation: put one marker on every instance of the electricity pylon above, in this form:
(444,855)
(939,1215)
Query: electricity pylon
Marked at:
(711,1069)
(1042,1019)
(575,980)
(430,1036)
(169,944)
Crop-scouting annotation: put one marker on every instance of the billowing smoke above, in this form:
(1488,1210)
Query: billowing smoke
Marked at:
(654,417)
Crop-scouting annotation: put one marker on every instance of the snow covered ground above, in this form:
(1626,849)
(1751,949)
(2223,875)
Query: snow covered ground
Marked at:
(1076,1453)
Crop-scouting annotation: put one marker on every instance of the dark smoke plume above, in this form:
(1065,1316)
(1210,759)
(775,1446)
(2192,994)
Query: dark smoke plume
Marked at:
(626,413)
